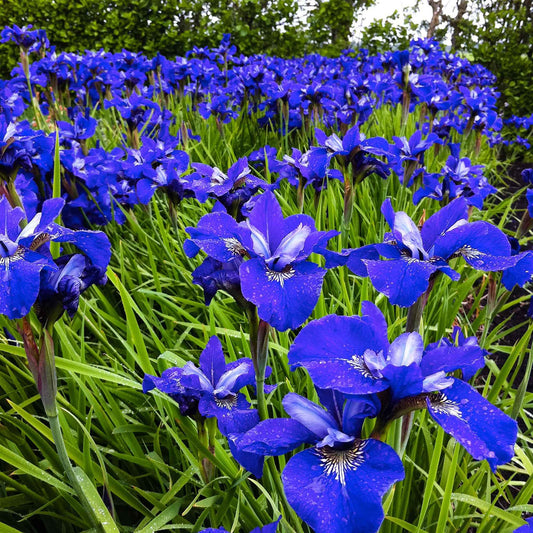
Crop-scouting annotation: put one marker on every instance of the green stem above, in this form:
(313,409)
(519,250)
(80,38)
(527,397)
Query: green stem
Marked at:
(276,484)
(300,194)
(262,357)
(61,449)
(406,425)
(13,194)
(414,315)
(25,61)
(414,319)
(348,206)
(259,330)
(406,100)
(206,435)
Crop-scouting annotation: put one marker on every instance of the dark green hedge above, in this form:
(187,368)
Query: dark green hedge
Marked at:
(170,27)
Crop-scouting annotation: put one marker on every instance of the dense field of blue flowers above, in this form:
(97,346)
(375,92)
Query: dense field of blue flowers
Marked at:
(353,241)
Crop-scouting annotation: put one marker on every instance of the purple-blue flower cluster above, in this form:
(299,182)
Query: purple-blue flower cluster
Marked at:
(30,275)
(271,255)
(457,96)
(212,390)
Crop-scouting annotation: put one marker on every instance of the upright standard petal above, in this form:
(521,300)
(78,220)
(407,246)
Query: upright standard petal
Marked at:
(437,224)
(267,218)
(212,362)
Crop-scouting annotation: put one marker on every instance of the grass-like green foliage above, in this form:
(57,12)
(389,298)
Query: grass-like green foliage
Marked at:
(143,456)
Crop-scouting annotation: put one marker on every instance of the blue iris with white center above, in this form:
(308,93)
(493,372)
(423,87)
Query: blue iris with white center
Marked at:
(337,485)
(413,257)
(26,265)
(352,355)
(276,275)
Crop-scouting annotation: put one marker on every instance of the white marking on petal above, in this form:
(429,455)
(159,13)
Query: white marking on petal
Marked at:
(229,402)
(358,362)
(218,177)
(6,261)
(234,246)
(280,277)
(338,462)
(443,405)
(469,253)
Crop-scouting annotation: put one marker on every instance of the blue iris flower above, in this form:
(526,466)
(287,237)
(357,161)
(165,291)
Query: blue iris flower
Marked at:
(276,275)
(411,151)
(213,275)
(233,189)
(337,485)
(457,178)
(314,167)
(352,142)
(406,374)
(214,388)
(61,289)
(83,128)
(25,253)
(413,256)
(26,38)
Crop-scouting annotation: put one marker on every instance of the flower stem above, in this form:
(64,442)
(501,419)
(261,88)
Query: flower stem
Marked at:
(300,194)
(414,319)
(277,485)
(259,330)
(42,365)
(206,434)
(414,315)
(348,206)
(61,449)
(262,357)
(25,61)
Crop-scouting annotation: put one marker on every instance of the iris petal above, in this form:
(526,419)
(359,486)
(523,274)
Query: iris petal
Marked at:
(437,224)
(276,437)
(309,414)
(474,422)
(338,491)
(331,349)
(402,280)
(406,349)
(212,362)
(284,299)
